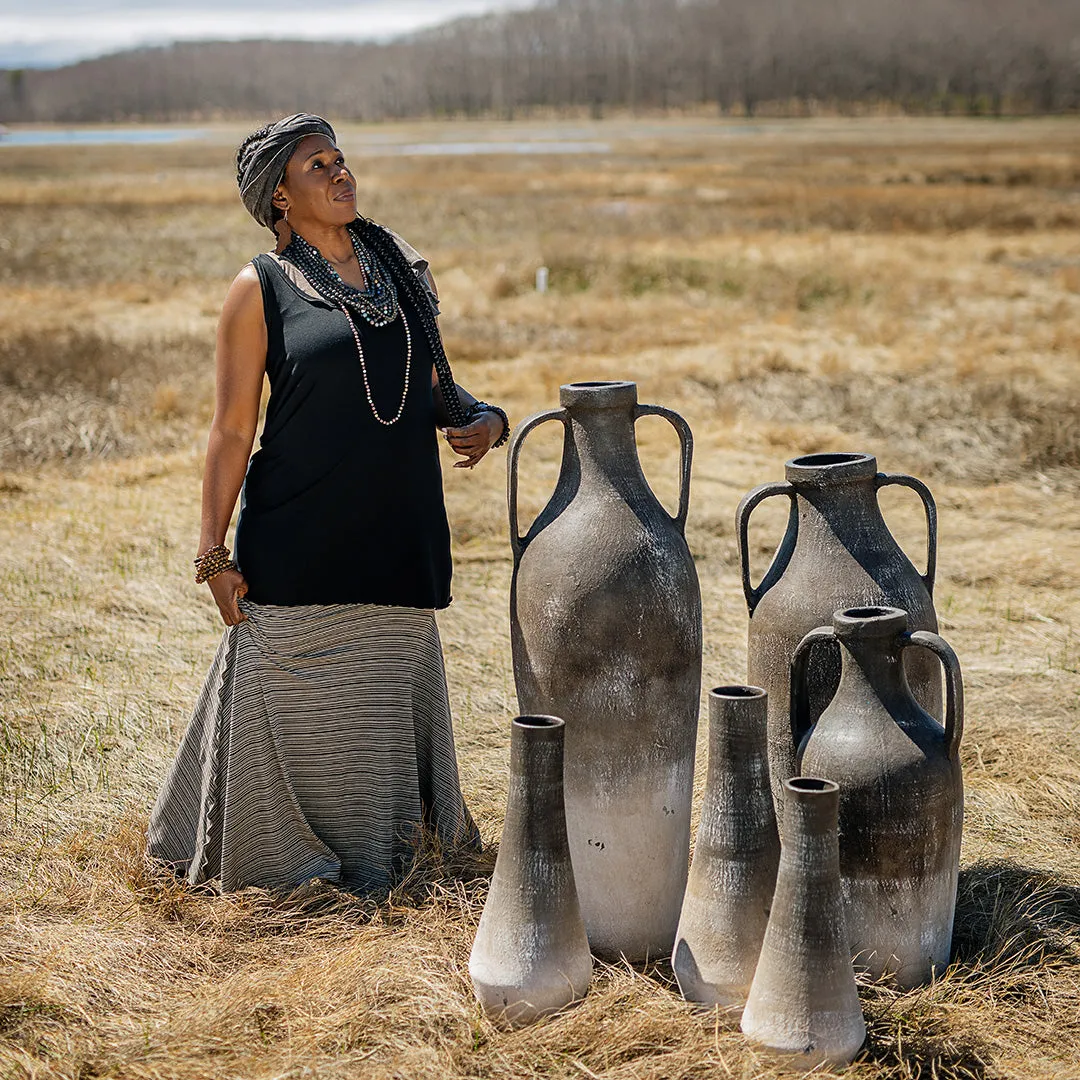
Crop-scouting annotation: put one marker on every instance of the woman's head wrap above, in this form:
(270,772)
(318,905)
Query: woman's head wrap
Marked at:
(263,155)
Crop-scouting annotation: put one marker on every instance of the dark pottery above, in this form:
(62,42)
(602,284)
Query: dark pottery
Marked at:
(837,552)
(733,873)
(803,999)
(531,955)
(901,791)
(605,622)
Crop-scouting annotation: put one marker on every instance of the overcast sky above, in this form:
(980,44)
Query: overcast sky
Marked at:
(35,33)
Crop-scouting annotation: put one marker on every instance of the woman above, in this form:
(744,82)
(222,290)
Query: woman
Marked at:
(321,742)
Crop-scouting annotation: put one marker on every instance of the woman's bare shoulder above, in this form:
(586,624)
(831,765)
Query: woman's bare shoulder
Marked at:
(247,280)
(245,293)
(242,314)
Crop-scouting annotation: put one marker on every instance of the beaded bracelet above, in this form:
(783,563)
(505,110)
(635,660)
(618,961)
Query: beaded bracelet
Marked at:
(483,407)
(213,561)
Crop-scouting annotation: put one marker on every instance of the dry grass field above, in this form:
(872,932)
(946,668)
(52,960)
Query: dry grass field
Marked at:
(907,287)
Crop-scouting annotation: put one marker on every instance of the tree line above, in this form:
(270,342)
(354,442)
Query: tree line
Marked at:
(771,56)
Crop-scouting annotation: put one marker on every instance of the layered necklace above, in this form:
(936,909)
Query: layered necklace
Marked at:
(377,303)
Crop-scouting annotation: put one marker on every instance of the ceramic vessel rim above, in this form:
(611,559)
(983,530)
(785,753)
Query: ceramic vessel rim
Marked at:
(829,468)
(596,384)
(599,393)
(737,692)
(870,621)
(538,722)
(811,785)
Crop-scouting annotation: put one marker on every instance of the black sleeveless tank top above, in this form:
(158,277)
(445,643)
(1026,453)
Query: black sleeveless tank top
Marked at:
(337,508)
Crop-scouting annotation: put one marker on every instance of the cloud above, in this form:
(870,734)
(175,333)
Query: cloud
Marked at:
(60,31)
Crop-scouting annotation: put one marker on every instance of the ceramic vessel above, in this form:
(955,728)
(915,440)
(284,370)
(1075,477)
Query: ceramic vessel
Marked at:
(803,999)
(531,955)
(605,619)
(733,873)
(837,552)
(901,791)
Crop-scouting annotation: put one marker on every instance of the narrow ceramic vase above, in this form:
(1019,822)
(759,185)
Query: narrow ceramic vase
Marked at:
(605,627)
(901,789)
(531,956)
(837,552)
(733,874)
(803,999)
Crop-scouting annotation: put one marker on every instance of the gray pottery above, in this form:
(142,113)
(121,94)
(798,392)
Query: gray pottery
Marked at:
(803,1000)
(901,791)
(531,955)
(837,552)
(605,624)
(733,874)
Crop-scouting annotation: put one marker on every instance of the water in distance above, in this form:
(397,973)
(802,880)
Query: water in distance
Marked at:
(94,136)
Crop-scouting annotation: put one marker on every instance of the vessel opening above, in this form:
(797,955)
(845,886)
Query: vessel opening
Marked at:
(817,460)
(738,691)
(812,783)
(538,721)
(869,612)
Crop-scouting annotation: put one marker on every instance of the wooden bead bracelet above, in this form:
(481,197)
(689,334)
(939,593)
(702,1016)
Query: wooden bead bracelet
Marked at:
(213,561)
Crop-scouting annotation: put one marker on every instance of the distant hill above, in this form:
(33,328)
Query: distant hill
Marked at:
(742,56)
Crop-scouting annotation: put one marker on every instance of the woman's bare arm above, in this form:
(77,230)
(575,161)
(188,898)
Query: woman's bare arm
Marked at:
(241,362)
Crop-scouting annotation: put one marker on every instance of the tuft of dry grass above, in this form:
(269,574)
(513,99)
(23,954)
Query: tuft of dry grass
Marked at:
(903,287)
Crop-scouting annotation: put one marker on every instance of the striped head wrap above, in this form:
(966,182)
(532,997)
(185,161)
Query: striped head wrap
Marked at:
(263,155)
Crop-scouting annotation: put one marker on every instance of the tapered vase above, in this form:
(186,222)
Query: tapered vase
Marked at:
(803,1001)
(605,627)
(733,874)
(531,956)
(901,788)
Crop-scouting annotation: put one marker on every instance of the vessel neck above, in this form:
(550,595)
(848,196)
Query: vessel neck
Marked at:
(736,725)
(810,836)
(839,509)
(872,667)
(604,443)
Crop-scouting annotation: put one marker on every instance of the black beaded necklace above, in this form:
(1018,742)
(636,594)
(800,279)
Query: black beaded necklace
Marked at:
(376,303)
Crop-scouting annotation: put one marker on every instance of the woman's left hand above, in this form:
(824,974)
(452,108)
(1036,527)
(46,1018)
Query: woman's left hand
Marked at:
(474,440)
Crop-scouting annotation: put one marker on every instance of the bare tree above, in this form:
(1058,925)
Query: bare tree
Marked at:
(978,56)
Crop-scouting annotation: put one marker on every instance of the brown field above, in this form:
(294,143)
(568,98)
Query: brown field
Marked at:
(907,287)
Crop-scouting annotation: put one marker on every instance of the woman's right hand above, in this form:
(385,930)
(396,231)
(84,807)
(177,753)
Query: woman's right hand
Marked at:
(227,589)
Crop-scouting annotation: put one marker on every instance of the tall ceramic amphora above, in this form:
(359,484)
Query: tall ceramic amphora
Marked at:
(605,623)
(901,791)
(837,552)
(531,955)
(733,875)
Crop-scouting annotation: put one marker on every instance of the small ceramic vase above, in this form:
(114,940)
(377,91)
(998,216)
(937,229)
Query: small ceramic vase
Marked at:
(901,789)
(803,999)
(733,874)
(531,956)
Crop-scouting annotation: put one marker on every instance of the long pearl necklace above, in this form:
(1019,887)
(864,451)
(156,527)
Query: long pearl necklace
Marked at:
(377,303)
(363,366)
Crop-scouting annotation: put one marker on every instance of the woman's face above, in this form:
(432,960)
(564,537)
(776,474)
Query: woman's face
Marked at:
(317,188)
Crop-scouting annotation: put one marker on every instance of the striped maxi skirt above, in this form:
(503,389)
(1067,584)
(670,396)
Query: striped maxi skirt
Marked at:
(320,746)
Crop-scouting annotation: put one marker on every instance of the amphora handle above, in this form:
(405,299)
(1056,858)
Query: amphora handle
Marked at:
(924,493)
(954,683)
(517,542)
(750,500)
(686,443)
(800,698)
